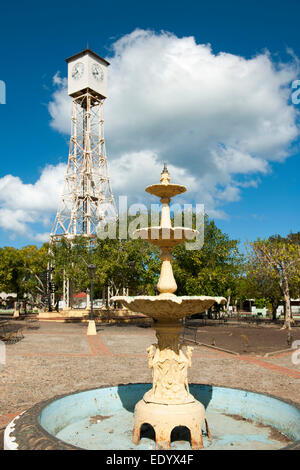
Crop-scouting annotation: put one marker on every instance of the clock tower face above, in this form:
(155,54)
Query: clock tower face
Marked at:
(77,70)
(97,72)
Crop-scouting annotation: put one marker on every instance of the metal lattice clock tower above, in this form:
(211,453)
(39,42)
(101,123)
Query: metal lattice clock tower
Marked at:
(87,198)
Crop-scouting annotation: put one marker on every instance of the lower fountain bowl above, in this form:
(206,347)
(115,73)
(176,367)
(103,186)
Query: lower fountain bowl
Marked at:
(102,419)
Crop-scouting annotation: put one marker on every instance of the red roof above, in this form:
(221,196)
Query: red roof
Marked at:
(80,295)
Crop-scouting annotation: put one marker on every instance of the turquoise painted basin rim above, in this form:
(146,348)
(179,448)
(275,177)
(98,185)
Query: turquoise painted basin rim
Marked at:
(265,409)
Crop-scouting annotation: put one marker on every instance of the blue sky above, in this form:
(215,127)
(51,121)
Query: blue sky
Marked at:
(37,37)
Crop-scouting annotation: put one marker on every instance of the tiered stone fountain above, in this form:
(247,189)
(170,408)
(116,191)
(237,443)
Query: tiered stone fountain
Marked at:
(169,403)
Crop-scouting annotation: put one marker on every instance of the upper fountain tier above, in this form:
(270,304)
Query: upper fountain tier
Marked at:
(165,189)
(165,235)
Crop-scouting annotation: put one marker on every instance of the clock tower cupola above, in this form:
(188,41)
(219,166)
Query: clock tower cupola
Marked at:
(87,71)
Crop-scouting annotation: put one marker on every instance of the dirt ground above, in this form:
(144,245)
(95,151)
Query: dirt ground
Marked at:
(243,339)
(59,358)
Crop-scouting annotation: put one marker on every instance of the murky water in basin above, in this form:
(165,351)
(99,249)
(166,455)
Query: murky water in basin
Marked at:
(115,432)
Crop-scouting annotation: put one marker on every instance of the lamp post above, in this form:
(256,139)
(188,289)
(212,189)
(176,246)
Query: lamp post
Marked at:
(91,269)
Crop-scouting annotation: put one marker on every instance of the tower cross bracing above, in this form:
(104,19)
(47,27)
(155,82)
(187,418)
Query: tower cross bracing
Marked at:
(87,197)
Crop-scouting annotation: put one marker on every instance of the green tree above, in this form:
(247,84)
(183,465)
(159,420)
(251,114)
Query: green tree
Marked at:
(128,263)
(11,270)
(132,263)
(20,270)
(213,270)
(260,284)
(70,259)
(34,263)
(277,259)
(121,263)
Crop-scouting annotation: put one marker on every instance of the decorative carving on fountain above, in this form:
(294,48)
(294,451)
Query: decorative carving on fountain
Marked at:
(169,374)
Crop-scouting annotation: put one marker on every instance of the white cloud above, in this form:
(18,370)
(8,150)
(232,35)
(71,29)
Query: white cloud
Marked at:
(216,119)
(176,97)
(57,80)
(132,172)
(24,204)
(60,106)
(41,237)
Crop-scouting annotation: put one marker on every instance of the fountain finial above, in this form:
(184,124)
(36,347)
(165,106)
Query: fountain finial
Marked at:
(165,175)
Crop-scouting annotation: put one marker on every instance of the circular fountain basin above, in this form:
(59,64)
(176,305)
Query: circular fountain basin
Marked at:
(102,419)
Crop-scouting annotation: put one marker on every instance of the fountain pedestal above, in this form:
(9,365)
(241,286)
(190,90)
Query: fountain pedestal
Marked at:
(169,403)
(169,362)
(164,419)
